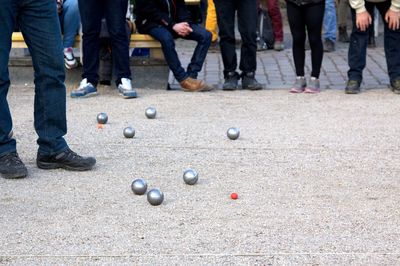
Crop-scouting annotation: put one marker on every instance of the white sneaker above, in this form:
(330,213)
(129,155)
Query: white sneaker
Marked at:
(125,89)
(69,58)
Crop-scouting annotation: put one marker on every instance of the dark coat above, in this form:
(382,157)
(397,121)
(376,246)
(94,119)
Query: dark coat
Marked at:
(305,2)
(154,13)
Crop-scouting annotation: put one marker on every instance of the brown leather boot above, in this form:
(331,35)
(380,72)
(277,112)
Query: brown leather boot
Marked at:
(191,84)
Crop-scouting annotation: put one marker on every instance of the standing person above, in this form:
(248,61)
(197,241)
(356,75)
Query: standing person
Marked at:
(211,23)
(329,26)
(247,23)
(92,12)
(302,15)
(70,22)
(166,20)
(274,13)
(361,14)
(343,10)
(39,23)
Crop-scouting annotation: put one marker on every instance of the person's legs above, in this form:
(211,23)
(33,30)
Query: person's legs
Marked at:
(115,13)
(211,21)
(343,10)
(298,30)
(314,15)
(47,57)
(226,10)
(247,24)
(392,47)
(276,18)
(8,14)
(70,22)
(329,21)
(203,39)
(358,47)
(91,13)
(168,46)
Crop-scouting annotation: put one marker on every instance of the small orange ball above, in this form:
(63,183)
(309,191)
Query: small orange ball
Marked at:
(234,196)
(100,126)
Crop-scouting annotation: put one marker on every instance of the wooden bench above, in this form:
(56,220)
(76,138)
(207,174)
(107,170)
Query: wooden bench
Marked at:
(151,72)
(137,41)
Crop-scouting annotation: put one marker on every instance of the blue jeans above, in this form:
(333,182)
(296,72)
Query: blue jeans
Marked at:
(359,42)
(43,37)
(166,38)
(330,21)
(114,11)
(70,22)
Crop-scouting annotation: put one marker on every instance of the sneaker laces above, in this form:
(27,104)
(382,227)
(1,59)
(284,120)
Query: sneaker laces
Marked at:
(12,159)
(68,155)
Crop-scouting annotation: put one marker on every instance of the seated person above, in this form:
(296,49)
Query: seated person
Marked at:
(70,22)
(166,20)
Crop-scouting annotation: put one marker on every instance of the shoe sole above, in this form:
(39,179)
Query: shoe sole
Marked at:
(294,90)
(88,95)
(50,166)
(311,91)
(128,96)
(14,176)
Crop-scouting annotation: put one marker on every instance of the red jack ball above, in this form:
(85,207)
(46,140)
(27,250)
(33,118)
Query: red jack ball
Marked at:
(234,196)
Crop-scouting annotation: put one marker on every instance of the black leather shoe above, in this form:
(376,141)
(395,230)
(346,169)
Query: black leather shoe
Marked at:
(11,166)
(67,159)
(352,87)
(249,82)
(231,81)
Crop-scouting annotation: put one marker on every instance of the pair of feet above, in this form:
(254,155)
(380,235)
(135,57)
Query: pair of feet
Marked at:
(248,81)
(300,85)
(353,86)
(87,89)
(12,167)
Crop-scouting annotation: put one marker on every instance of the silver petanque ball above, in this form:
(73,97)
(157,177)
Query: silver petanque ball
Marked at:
(190,176)
(155,197)
(151,112)
(233,133)
(139,186)
(102,118)
(129,132)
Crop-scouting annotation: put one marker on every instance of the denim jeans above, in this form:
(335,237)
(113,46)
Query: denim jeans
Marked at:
(70,22)
(247,23)
(166,38)
(114,11)
(43,37)
(359,42)
(330,21)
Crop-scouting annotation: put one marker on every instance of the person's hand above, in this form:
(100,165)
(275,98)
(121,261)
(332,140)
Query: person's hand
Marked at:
(393,19)
(363,20)
(182,29)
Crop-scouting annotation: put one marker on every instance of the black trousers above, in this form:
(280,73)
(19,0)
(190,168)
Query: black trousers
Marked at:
(308,17)
(247,23)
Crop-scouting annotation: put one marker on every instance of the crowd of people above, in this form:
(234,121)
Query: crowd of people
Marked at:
(44,22)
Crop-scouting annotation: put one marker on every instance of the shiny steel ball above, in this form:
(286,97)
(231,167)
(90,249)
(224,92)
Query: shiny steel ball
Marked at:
(129,132)
(151,112)
(233,133)
(155,197)
(190,176)
(139,186)
(102,118)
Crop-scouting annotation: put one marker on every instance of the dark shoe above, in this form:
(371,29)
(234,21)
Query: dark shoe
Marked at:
(67,159)
(343,36)
(11,166)
(231,81)
(395,85)
(352,87)
(249,82)
(329,46)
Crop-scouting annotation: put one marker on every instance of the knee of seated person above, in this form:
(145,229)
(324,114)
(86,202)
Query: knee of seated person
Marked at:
(167,40)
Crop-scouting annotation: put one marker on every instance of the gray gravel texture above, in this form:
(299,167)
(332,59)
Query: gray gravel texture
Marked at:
(317,178)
